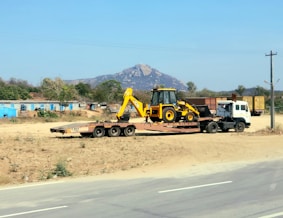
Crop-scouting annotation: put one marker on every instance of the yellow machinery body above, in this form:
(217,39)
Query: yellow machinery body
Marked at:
(164,107)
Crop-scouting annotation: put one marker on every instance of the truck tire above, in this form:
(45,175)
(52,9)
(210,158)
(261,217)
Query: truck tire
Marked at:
(98,132)
(240,127)
(114,131)
(212,127)
(169,115)
(129,131)
(190,117)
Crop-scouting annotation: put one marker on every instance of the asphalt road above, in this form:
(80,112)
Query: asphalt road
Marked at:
(253,191)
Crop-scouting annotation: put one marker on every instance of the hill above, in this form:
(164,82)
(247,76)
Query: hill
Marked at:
(139,77)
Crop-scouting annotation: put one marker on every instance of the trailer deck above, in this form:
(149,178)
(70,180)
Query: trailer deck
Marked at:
(99,129)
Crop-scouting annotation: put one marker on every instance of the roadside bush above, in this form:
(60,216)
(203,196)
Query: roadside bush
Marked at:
(46,114)
(61,169)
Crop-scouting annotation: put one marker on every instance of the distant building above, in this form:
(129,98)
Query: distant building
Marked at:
(12,107)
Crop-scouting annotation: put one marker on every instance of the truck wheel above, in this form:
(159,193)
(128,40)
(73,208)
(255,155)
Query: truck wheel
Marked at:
(190,117)
(129,131)
(98,132)
(212,127)
(114,131)
(169,115)
(240,127)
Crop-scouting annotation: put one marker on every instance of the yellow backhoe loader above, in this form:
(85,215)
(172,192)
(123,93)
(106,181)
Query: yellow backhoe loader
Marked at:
(164,107)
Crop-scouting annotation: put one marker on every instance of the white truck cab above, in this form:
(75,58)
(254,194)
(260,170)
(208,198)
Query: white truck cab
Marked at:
(234,114)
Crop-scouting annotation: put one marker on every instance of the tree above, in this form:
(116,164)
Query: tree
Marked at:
(240,90)
(13,92)
(109,91)
(83,89)
(206,93)
(191,87)
(259,90)
(58,90)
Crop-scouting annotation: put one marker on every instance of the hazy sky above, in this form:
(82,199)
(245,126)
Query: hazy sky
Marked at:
(216,44)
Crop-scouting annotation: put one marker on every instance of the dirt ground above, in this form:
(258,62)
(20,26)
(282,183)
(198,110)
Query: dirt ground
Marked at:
(29,152)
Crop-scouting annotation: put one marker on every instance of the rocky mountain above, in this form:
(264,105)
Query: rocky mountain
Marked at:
(139,77)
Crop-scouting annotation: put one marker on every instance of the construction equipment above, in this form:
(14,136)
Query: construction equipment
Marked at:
(176,116)
(164,106)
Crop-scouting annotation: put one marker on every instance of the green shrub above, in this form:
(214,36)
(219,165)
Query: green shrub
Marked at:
(61,169)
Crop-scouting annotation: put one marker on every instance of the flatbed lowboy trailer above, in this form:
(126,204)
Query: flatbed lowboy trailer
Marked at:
(114,129)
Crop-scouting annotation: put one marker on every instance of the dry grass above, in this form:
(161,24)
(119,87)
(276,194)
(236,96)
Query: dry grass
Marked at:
(29,152)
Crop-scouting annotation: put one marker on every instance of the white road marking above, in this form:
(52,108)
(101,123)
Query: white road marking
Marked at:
(194,187)
(272,215)
(33,211)
(31,185)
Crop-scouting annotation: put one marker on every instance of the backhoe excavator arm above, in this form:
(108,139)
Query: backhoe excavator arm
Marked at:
(142,109)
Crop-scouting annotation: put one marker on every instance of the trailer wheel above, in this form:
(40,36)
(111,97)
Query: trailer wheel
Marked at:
(190,117)
(114,131)
(240,127)
(129,131)
(98,132)
(169,115)
(212,127)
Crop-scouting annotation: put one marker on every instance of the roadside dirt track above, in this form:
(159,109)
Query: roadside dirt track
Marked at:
(29,152)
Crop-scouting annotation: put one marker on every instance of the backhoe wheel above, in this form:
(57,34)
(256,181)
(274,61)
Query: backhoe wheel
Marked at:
(114,131)
(212,127)
(240,127)
(169,115)
(98,132)
(129,131)
(190,117)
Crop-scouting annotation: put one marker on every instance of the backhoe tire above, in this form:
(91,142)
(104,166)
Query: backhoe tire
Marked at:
(240,127)
(190,117)
(98,132)
(212,127)
(114,131)
(169,115)
(129,131)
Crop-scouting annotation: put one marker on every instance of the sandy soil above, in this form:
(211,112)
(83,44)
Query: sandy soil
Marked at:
(29,152)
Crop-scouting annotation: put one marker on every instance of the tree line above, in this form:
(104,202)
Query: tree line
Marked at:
(109,91)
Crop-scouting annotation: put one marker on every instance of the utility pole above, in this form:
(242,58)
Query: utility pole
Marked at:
(272,120)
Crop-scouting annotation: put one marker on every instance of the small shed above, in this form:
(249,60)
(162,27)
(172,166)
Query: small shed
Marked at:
(7,112)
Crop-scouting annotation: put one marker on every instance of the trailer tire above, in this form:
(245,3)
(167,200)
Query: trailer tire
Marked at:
(211,127)
(240,127)
(98,132)
(169,115)
(129,131)
(114,131)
